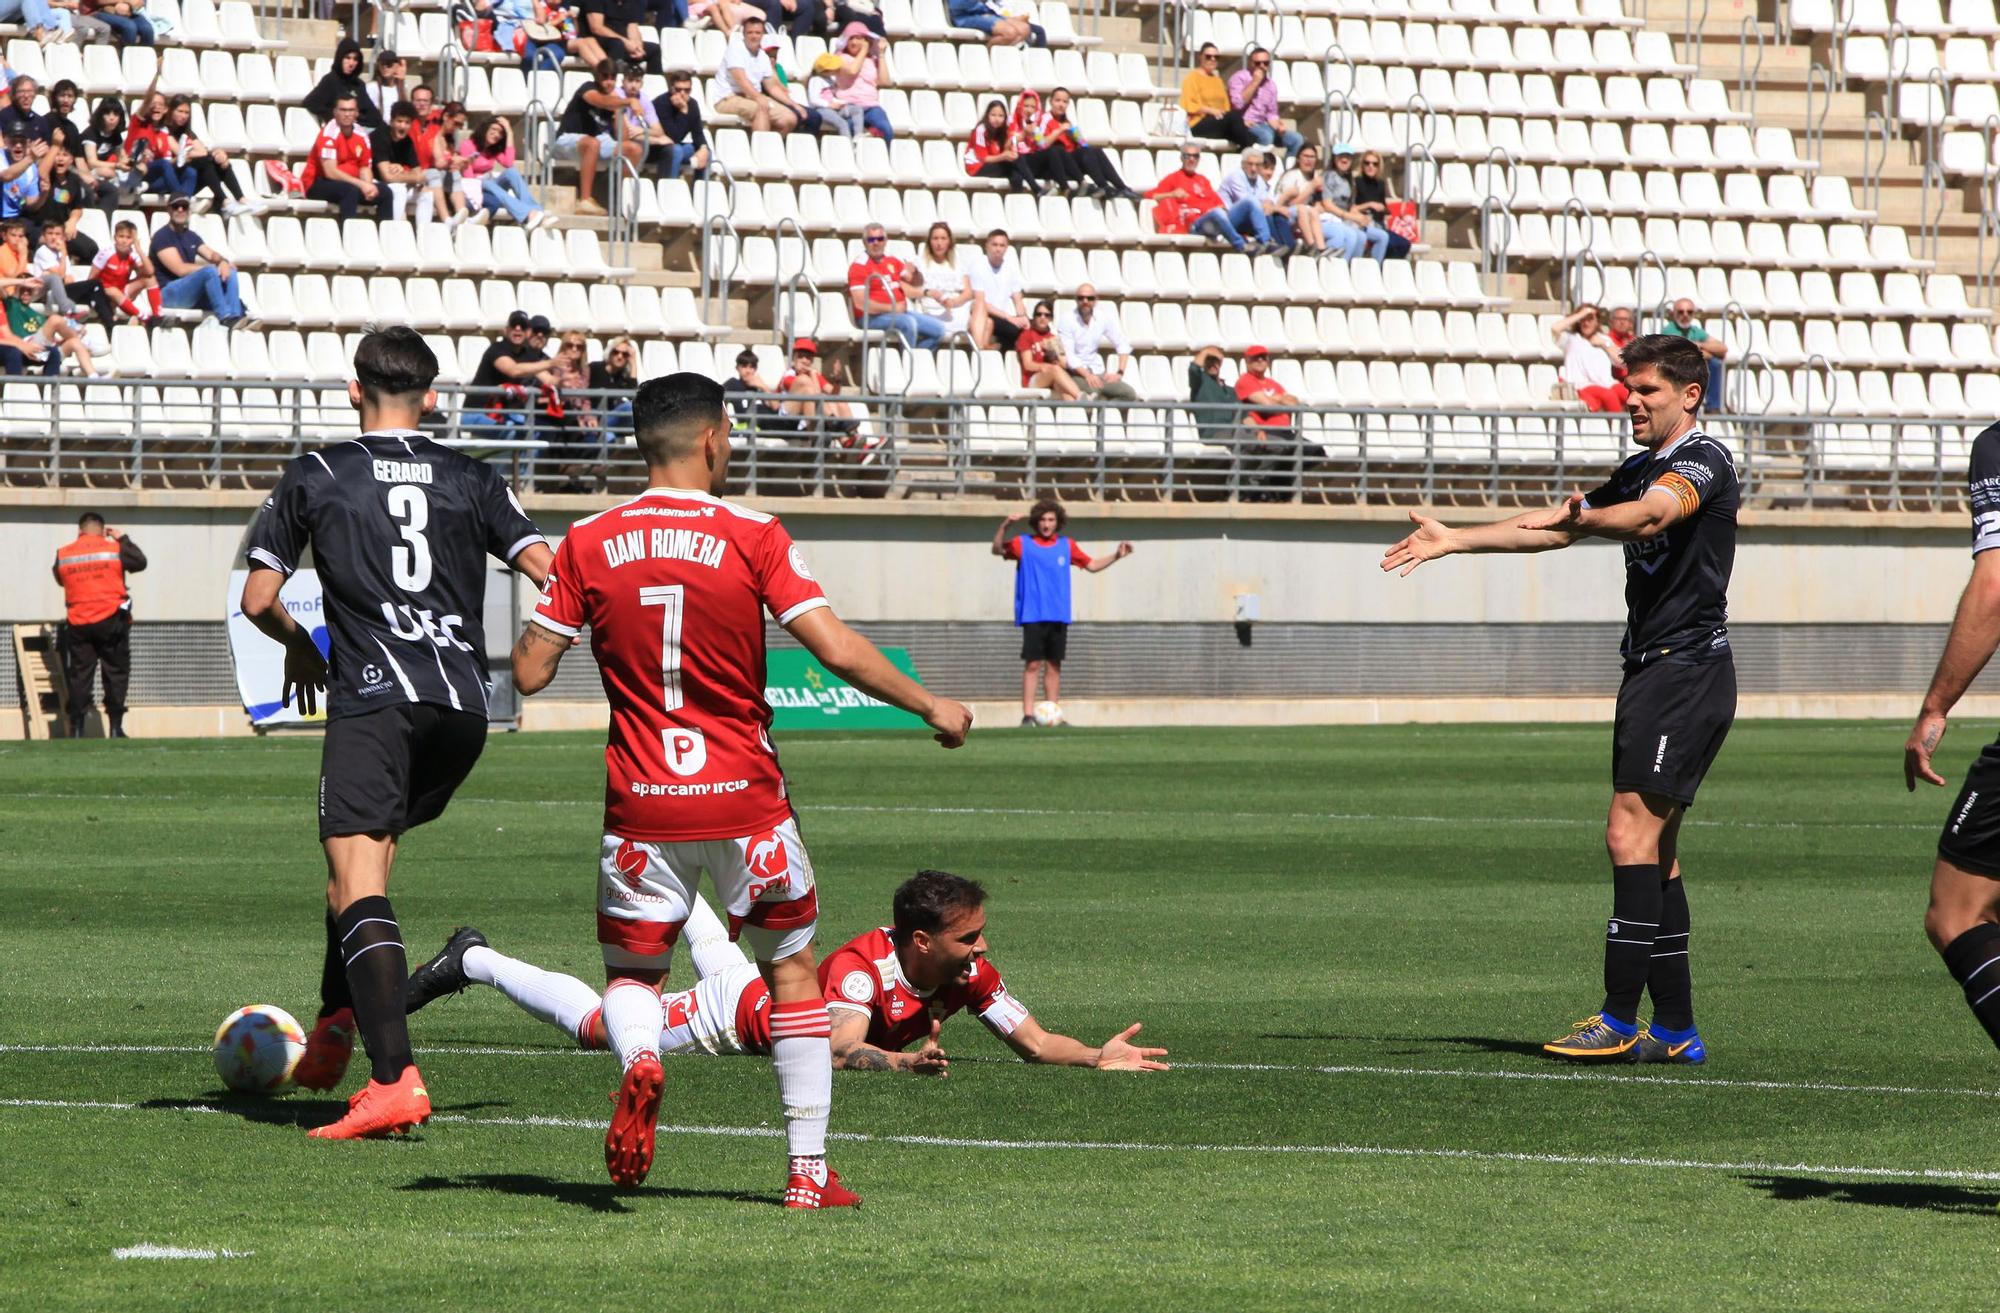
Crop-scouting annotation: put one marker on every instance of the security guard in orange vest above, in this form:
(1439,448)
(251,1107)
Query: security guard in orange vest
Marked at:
(92,573)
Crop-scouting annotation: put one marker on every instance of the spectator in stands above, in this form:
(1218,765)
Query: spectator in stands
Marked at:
(209,166)
(398,169)
(1254,96)
(948,293)
(1371,197)
(17,260)
(126,275)
(1622,324)
(1059,131)
(59,126)
(444,190)
(856,87)
(1275,432)
(745,392)
(489,160)
(46,336)
(61,203)
(387,88)
(727,15)
(1205,101)
(749,83)
(125,18)
(340,168)
(1246,194)
(1044,160)
(1086,329)
(997,280)
(999,29)
(18,116)
(532,31)
(62,288)
(194,274)
(1212,401)
(1683,324)
(618,372)
(54,21)
(1299,192)
(589,131)
(107,162)
(1588,360)
(879,288)
(1348,231)
(343,79)
(611,31)
(152,153)
(825,17)
(989,152)
(808,405)
(1041,355)
(1184,201)
(679,115)
(512,368)
(22,186)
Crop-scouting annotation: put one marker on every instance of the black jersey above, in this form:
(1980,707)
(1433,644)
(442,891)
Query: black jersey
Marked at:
(582,118)
(1982,490)
(400,528)
(1677,582)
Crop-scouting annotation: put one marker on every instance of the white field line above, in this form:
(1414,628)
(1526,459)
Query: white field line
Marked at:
(897,809)
(1136,1146)
(1691,1081)
(172,1251)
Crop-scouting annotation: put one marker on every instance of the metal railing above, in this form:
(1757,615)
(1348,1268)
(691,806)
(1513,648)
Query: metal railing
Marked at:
(1819,99)
(1747,73)
(1692,34)
(936,441)
(1875,134)
(622,227)
(1340,129)
(787,320)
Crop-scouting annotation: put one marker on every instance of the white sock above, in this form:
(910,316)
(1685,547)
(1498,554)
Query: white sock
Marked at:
(707,940)
(633,1019)
(562,1001)
(803,1059)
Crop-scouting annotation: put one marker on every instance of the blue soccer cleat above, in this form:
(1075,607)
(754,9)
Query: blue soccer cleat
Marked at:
(1658,1044)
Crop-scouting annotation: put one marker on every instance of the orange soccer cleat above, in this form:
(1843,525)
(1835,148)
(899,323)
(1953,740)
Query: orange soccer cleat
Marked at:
(628,1145)
(380,1109)
(801,1191)
(328,1048)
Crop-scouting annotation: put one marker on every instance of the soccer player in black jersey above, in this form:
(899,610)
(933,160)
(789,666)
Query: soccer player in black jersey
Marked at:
(1673,505)
(1963,919)
(400,529)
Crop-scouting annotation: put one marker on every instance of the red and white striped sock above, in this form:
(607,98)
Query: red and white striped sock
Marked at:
(803,1059)
(633,1018)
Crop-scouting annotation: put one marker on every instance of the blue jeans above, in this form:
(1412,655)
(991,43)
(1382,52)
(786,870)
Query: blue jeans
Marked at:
(874,120)
(915,329)
(1711,400)
(508,190)
(1232,223)
(127,29)
(1281,229)
(40,13)
(204,289)
(510,423)
(543,54)
(1267,135)
(1342,238)
(171,178)
(675,156)
(10,12)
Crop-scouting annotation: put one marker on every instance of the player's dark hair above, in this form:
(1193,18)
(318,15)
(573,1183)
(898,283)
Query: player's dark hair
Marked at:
(1679,361)
(1043,507)
(395,362)
(928,899)
(668,412)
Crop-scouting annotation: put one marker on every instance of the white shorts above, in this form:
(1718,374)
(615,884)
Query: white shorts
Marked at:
(705,1019)
(567,146)
(764,883)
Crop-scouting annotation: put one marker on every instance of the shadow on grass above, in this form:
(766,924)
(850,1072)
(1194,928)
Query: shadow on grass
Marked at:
(1917,1196)
(1485,1043)
(305,1113)
(598,1196)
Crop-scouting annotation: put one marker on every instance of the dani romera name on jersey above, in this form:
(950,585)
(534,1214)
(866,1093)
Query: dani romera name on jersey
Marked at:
(665,545)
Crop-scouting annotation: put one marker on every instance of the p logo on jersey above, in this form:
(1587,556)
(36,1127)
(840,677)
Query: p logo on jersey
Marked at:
(687,751)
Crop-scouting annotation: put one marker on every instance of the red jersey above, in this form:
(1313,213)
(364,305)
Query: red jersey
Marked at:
(1177,214)
(1249,387)
(115,271)
(864,975)
(978,149)
(674,585)
(1028,348)
(878,280)
(1011,549)
(331,150)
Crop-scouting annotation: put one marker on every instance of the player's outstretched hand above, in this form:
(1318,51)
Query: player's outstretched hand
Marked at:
(952,720)
(1566,516)
(305,672)
(930,1060)
(1121,1054)
(1124,550)
(1430,540)
(1923,741)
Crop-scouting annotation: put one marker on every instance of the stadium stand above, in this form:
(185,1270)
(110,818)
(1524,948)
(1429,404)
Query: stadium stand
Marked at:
(1543,153)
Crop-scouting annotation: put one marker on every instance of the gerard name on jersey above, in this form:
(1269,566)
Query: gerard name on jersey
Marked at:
(402,471)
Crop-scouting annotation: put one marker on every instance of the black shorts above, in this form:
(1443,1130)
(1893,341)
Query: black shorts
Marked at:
(391,770)
(1971,837)
(1672,718)
(1044,640)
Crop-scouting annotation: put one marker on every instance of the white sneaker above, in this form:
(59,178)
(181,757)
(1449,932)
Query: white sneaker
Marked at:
(235,208)
(451,223)
(481,217)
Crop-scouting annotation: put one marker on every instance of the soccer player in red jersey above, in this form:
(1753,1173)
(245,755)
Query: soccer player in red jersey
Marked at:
(674,586)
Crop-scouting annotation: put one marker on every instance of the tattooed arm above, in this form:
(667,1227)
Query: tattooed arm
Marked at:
(853,1052)
(537,653)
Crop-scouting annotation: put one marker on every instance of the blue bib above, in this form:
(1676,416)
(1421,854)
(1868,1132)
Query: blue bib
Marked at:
(1041,584)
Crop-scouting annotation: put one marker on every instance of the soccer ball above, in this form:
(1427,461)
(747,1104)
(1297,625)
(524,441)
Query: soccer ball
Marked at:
(257,1047)
(1048,713)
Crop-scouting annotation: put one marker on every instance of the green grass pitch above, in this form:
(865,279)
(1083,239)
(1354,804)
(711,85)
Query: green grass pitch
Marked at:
(1350,939)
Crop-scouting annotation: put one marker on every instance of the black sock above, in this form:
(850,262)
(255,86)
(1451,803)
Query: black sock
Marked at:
(1628,939)
(371,945)
(333,991)
(1974,959)
(1672,982)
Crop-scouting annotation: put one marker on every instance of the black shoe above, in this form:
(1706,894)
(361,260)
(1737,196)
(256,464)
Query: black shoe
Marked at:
(118,730)
(1028,722)
(445,973)
(76,727)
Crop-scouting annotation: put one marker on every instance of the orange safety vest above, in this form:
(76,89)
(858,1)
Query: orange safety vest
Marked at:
(93,579)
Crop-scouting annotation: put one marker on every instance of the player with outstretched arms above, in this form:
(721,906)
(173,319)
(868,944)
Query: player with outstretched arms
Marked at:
(1963,918)
(1673,506)
(673,586)
(400,529)
(885,990)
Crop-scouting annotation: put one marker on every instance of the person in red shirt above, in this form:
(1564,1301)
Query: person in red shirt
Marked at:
(674,586)
(341,166)
(98,612)
(879,288)
(1275,430)
(886,990)
(1040,352)
(1184,198)
(126,275)
(989,152)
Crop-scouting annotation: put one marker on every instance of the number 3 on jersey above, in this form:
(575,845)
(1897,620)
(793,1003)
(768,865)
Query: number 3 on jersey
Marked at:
(686,750)
(410,561)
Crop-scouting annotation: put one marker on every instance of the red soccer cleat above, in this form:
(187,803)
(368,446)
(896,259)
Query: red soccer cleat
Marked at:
(328,1048)
(382,1110)
(801,1191)
(628,1145)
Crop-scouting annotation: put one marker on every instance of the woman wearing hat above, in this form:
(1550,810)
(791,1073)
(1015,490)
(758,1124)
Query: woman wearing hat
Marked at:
(858,80)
